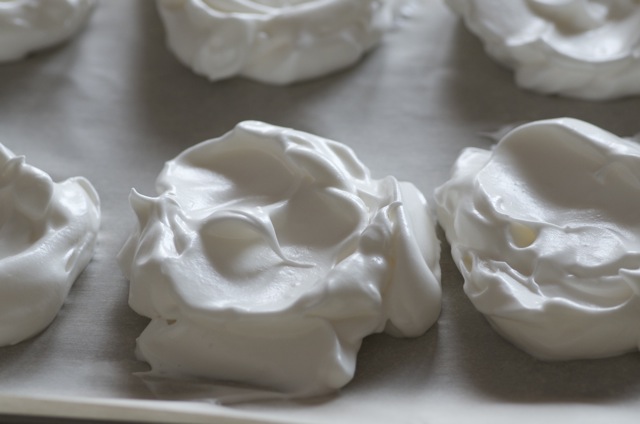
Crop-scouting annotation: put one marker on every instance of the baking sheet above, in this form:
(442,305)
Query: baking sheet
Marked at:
(113,105)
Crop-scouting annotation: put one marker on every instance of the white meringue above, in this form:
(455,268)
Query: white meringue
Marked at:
(545,230)
(273,41)
(587,49)
(29,25)
(269,254)
(47,235)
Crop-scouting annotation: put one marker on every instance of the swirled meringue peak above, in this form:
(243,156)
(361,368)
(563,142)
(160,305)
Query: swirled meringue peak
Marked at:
(586,49)
(269,254)
(545,230)
(47,234)
(29,25)
(272,41)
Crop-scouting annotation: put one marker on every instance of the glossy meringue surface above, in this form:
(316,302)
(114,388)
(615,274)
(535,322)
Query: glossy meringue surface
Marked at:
(48,232)
(587,49)
(269,254)
(29,25)
(545,231)
(272,41)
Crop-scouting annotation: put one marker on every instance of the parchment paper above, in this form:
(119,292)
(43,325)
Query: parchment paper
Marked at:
(113,105)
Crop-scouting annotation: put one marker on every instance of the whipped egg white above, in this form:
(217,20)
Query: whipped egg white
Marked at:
(545,230)
(29,25)
(587,49)
(269,253)
(47,235)
(272,41)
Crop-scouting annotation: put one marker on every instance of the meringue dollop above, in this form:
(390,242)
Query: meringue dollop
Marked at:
(48,232)
(29,25)
(586,49)
(269,254)
(272,41)
(546,233)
